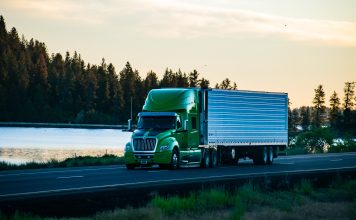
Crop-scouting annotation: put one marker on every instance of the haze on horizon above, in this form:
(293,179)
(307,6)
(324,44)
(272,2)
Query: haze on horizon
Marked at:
(272,45)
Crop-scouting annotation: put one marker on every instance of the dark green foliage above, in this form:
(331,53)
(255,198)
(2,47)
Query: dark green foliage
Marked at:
(319,107)
(349,116)
(305,117)
(226,84)
(36,87)
(348,144)
(334,115)
(315,141)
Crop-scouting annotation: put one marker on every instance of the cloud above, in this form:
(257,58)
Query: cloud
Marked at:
(194,20)
(190,19)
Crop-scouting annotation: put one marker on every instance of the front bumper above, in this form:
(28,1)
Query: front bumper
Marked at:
(147,159)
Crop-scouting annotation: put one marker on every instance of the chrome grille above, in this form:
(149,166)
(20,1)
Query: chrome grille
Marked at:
(141,144)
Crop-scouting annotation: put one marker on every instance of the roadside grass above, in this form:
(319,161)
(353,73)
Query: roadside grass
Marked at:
(303,201)
(107,159)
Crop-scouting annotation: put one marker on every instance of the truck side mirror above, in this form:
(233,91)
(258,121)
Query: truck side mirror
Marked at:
(185,126)
(129,124)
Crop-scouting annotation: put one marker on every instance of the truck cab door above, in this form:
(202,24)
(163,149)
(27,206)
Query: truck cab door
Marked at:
(193,139)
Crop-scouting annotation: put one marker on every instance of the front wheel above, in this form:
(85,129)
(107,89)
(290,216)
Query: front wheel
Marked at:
(175,159)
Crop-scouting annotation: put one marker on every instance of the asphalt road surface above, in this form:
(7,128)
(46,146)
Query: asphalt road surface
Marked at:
(44,182)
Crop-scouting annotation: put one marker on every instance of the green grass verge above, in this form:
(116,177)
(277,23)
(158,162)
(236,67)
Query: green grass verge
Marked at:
(107,159)
(246,202)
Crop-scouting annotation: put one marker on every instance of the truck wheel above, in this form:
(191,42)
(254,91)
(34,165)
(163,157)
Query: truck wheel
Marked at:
(234,157)
(206,158)
(130,166)
(175,160)
(264,156)
(270,155)
(213,158)
(260,156)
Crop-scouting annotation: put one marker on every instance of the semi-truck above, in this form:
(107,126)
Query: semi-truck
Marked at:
(194,127)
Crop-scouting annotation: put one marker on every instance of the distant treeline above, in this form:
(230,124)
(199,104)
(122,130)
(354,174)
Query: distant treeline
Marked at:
(38,87)
(340,117)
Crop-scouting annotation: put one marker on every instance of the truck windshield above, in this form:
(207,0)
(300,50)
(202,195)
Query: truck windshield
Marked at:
(148,122)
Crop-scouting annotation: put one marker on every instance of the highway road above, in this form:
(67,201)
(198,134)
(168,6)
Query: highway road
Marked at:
(46,182)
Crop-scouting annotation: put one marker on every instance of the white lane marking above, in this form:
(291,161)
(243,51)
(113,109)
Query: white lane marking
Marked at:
(156,171)
(63,171)
(166,181)
(291,163)
(336,160)
(69,177)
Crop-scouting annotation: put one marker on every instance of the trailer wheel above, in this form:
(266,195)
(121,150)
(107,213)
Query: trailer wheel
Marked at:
(206,158)
(270,155)
(260,156)
(264,156)
(213,158)
(234,157)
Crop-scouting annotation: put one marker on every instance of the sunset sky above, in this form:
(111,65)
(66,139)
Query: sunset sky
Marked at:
(270,45)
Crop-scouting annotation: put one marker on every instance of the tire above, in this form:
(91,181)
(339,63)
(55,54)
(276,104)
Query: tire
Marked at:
(213,158)
(264,156)
(175,159)
(206,158)
(234,157)
(130,166)
(260,156)
(269,155)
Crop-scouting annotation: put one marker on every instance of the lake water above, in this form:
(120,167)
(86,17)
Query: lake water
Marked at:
(19,145)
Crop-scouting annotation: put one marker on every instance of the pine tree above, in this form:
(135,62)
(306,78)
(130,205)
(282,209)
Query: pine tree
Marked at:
(319,106)
(226,84)
(204,83)
(293,120)
(193,79)
(116,94)
(129,83)
(150,82)
(334,114)
(182,79)
(305,118)
(349,91)
(167,80)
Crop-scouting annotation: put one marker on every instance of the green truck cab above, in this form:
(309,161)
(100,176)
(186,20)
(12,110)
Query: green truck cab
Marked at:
(192,127)
(167,131)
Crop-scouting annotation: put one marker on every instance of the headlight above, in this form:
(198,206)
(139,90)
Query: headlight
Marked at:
(128,147)
(164,148)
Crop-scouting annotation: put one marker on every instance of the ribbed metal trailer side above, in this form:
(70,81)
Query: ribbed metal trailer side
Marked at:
(245,118)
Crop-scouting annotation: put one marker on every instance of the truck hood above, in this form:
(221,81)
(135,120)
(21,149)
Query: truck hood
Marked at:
(159,133)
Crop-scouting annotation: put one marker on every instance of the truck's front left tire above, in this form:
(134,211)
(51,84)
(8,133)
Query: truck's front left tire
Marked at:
(175,159)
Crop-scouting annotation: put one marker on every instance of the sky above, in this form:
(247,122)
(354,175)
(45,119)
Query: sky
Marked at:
(287,46)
